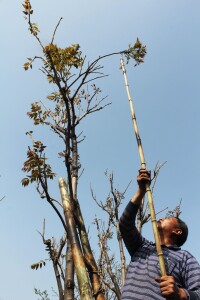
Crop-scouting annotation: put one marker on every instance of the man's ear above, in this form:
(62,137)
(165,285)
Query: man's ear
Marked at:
(177,231)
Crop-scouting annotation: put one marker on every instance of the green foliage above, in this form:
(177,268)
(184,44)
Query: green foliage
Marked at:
(34,29)
(36,165)
(43,295)
(136,52)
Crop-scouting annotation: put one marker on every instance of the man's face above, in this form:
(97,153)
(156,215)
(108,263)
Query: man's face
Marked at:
(167,225)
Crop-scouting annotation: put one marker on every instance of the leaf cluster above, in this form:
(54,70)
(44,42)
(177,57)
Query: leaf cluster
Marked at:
(37,114)
(136,52)
(36,165)
(37,265)
(29,11)
(27,7)
(43,295)
(61,60)
(28,64)
(50,248)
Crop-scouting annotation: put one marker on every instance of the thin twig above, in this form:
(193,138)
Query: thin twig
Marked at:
(156,172)
(55,30)
(55,200)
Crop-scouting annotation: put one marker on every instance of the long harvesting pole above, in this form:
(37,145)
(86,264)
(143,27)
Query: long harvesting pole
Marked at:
(143,166)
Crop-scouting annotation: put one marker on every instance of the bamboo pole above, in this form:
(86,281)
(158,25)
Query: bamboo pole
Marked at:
(143,166)
(82,277)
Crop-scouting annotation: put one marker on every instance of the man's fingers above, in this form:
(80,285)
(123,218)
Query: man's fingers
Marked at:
(167,286)
(144,171)
(143,178)
(165,278)
(144,174)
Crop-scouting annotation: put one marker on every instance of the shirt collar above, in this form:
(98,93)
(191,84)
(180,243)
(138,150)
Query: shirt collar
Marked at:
(173,247)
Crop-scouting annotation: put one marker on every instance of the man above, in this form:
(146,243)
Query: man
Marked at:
(143,280)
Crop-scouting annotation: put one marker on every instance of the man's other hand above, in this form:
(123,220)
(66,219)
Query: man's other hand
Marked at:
(169,288)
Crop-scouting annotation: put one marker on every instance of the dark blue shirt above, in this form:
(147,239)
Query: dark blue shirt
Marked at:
(144,266)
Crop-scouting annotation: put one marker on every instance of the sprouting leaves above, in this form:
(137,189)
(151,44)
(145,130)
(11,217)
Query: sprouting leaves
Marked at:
(37,265)
(34,28)
(28,64)
(36,165)
(61,60)
(136,52)
(51,248)
(55,96)
(25,182)
(43,295)
(37,114)
(29,11)
(27,7)
(70,56)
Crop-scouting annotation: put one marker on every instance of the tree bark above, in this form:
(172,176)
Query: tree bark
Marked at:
(87,251)
(83,281)
(69,274)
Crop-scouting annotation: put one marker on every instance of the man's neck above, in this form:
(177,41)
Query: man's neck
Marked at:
(167,241)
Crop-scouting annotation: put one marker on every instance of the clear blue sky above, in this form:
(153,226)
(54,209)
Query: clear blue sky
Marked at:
(166,91)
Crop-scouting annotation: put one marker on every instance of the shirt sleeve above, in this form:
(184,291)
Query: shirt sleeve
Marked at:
(130,235)
(192,278)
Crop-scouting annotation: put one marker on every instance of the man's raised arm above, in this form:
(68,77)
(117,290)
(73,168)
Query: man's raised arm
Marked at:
(132,238)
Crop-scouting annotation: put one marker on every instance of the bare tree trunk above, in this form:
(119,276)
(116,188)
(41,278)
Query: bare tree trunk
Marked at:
(58,279)
(87,251)
(89,260)
(122,256)
(54,258)
(83,281)
(69,274)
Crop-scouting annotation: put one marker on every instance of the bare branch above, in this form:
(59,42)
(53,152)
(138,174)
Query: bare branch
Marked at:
(56,30)
(93,109)
(55,200)
(95,78)
(2,198)
(156,173)
(175,212)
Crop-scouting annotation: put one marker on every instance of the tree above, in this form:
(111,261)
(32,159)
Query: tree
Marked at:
(75,97)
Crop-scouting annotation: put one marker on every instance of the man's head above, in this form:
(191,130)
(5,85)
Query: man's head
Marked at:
(172,231)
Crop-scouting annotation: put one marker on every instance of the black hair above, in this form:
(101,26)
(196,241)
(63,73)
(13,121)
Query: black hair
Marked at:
(181,239)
